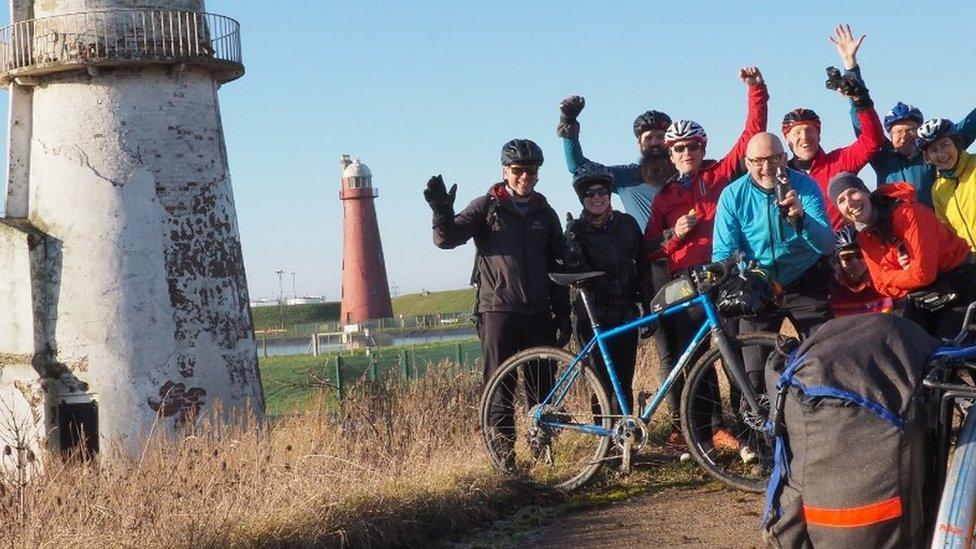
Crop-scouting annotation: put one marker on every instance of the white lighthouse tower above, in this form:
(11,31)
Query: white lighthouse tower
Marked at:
(123,300)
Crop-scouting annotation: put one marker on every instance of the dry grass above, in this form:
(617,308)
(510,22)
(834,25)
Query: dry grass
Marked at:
(395,466)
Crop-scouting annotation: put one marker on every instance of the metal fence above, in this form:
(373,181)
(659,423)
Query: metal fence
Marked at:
(341,373)
(118,35)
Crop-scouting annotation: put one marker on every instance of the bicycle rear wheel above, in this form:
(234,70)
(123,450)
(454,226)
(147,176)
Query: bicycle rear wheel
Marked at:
(723,435)
(543,446)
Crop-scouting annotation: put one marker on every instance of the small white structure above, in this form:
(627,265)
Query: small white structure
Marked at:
(123,299)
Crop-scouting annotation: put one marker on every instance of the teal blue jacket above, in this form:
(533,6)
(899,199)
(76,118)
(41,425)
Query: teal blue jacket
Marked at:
(748,220)
(892,166)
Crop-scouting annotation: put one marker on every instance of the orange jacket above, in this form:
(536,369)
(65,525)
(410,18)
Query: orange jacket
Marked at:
(932,247)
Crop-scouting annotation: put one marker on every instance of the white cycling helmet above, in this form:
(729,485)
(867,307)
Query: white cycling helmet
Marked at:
(683,130)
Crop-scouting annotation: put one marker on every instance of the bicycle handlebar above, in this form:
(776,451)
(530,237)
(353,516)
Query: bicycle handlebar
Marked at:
(721,270)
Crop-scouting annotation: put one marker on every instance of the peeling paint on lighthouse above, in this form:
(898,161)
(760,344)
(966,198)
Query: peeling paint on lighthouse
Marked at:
(120,257)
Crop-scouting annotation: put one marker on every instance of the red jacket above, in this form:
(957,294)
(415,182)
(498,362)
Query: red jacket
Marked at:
(673,201)
(851,158)
(932,247)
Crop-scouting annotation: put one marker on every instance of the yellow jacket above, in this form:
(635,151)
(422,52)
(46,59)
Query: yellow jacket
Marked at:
(954,198)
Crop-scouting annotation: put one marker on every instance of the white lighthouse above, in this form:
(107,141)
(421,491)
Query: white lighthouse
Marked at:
(123,299)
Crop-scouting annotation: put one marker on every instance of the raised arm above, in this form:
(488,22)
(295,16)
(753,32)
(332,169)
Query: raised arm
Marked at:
(569,129)
(867,125)
(451,231)
(967,129)
(757,97)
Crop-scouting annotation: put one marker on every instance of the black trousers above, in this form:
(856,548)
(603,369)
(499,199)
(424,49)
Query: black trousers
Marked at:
(502,336)
(946,322)
(805,303)
(663,337)
(623,350)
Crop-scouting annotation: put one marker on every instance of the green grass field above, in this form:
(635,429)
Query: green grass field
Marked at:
(269,317)
(450,301)
(293,383)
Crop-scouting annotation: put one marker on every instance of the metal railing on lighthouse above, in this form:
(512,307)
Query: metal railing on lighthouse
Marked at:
(118,37)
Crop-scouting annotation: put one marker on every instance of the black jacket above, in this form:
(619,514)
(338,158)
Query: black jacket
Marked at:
(617,250)
(515,252)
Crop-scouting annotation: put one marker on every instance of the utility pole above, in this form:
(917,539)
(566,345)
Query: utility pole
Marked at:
(281,299)
(294,293)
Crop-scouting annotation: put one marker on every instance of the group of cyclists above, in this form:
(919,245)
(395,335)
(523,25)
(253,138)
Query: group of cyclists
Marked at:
(832,246)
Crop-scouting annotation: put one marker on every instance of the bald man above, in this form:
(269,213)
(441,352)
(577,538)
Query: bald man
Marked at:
(790,239)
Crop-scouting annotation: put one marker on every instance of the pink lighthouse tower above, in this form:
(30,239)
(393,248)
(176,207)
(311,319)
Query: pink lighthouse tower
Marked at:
(365,291)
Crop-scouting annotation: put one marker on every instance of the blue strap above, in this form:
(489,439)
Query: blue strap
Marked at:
(861,401)
(781,459)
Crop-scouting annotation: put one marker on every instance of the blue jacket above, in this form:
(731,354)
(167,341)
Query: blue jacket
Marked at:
(892,166)
(636,196)
(749,220)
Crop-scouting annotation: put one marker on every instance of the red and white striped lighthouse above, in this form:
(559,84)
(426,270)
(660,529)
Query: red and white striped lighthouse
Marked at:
(365,291)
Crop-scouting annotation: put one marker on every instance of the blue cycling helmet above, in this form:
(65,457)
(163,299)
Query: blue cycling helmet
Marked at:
(932,130)
(846,238)
(900,112)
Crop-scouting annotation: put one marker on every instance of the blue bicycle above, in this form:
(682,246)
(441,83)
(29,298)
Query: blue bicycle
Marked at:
(549,422)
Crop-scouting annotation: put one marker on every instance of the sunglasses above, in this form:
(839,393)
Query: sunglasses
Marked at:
(517,171)
(690,147)
(599,191)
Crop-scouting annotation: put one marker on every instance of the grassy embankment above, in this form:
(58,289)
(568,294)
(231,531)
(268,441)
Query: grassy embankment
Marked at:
(395,465)
(450,301)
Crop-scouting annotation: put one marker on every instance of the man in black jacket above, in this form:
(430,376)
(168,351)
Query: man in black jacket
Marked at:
(519,241)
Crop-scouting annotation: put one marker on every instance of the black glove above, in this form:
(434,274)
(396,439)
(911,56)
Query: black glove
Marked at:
(575,257)
(569,109)
(440,200)
(853,87)
(564,330)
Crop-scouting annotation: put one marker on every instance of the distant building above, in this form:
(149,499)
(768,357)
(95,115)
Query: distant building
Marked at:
(365,290)
(304,300)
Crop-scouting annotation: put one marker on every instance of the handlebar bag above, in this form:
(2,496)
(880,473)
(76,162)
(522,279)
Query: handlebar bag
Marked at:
(854,437)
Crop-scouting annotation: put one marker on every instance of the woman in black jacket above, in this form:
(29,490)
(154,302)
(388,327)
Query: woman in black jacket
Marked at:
(603,239)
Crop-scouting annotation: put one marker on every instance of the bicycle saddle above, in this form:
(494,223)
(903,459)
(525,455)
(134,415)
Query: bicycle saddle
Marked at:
(568,279)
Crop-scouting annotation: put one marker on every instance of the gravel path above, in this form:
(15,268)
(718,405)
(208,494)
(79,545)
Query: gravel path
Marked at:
(693,517)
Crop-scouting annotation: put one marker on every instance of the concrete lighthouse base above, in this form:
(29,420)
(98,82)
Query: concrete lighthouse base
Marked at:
(125,283)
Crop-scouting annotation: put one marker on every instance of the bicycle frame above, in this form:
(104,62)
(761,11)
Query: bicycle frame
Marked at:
(712,324)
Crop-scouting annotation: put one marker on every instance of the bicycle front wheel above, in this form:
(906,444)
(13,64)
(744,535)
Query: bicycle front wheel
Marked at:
(956,521)
(722,433)
(545,444)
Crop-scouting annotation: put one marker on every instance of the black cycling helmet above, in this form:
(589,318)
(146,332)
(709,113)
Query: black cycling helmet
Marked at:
(521,151)
(932,130)
(800,116)
(846,238)
(590,174)
(651,120)
(752,292)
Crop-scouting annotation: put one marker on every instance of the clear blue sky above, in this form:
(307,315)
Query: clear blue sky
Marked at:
(418,88)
